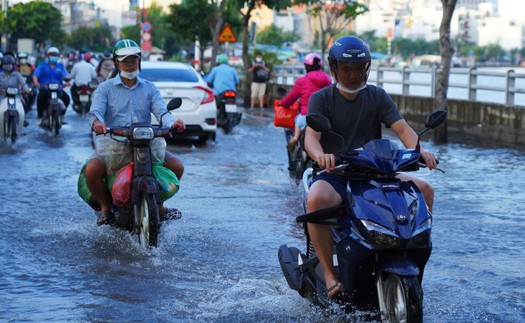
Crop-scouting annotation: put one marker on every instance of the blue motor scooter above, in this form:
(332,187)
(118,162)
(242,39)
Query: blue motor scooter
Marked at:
(381,233)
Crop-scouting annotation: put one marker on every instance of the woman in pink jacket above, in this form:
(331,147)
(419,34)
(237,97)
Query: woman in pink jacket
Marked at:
(314,80)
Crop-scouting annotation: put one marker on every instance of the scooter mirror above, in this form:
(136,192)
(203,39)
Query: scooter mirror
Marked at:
(281,91)
(331,142)
(174,103)
(318,122)
(435,119)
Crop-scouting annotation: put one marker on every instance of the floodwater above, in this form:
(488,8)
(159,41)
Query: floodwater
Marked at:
(219,262)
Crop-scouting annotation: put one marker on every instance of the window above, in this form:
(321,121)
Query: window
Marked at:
(168,75)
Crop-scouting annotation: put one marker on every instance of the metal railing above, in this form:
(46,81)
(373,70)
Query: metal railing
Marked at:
(498,85)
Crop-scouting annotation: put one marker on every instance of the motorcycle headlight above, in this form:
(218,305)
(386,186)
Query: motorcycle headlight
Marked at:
(381,236)
(53,86)
(143,133)
(12,91)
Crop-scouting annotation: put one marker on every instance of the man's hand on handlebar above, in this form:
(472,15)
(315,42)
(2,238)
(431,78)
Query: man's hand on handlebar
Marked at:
(179,126)
(99,127)
(326,161)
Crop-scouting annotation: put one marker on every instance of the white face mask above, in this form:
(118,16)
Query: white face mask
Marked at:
(130,75)
(258,59)
(347,90)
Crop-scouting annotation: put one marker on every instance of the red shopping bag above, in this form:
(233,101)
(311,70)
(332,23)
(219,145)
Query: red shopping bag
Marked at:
(285,117)
(121,191)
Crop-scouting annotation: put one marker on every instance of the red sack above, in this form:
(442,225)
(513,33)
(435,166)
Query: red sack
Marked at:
(121,191)
(285,117)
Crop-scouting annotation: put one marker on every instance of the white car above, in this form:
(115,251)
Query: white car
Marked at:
(198,109)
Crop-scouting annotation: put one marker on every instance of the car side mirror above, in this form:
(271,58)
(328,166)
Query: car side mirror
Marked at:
(174,103)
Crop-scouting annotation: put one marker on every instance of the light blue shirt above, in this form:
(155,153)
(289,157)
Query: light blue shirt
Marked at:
(223,77)
(117,105)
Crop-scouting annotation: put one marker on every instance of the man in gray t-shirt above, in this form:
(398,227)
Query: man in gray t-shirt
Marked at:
(356,111)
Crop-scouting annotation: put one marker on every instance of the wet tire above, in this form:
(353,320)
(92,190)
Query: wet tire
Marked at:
(149,216)
(55,125)
(12,129)
(403,299)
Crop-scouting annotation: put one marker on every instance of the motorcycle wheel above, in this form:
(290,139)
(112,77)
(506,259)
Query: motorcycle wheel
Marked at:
(12,129)
(149,217)
(55,122)
(403,299)
(227,124)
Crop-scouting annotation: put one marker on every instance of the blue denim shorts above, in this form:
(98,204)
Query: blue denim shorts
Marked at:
(338,182)
(300,121)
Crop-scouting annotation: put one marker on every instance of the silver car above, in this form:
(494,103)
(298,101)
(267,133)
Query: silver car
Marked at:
(198,109)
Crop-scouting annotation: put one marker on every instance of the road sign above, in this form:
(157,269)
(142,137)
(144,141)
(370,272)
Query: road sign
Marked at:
(146,45)
(227,35)
(146,36)
(146,26)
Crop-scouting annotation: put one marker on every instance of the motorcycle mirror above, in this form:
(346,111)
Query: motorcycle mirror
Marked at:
(435,119)
(332,142)
(318,122)
(281,91)
(174,103)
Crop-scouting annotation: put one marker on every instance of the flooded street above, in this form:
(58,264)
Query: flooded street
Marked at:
(219,262)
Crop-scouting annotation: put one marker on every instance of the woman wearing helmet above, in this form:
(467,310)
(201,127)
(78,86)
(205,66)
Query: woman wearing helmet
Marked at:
(11,78)
(356,110)
(314,80)
(117,102)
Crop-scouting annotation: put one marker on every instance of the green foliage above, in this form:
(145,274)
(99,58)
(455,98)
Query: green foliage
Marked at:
(274,35)
(36,19)
(131,32)
(86,38)
(190,19)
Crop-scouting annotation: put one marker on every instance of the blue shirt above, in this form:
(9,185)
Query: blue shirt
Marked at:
(223,77)
(46,73)
(117,105)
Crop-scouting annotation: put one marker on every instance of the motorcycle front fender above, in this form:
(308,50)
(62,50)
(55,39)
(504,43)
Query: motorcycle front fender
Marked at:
(144,184)
(401,266)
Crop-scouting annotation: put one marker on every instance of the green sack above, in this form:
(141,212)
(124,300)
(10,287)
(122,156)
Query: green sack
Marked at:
(83,190)
(168,181)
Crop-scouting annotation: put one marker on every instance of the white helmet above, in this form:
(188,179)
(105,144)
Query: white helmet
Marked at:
(53,50)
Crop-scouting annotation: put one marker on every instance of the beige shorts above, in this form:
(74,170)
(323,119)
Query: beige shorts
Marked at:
(258,90)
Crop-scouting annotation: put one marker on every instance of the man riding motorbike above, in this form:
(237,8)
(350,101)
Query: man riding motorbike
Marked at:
(222,77)
(118,102)
(105,67)
(82,73)
(355,110)
(50,71)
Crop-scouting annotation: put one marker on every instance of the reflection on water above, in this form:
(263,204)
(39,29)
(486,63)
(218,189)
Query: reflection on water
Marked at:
(219,262)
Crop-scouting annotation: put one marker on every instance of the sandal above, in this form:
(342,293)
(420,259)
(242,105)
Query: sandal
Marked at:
(334,290)
(104,217)
(171,214)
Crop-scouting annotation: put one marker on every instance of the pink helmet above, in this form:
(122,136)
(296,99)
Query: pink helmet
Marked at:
(309,59)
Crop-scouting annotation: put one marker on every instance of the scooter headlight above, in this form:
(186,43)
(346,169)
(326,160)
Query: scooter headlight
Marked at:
(143,133)
(381,236)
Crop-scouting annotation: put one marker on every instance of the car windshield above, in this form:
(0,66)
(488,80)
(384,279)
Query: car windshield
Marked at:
(168,75)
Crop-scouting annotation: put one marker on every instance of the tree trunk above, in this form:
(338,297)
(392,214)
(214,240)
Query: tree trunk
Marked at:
(245,60)
(446,51)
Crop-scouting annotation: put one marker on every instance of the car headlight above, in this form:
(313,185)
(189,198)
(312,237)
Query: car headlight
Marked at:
(143,133)
(381,236)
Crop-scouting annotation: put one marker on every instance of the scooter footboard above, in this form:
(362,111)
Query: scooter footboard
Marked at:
(288,259)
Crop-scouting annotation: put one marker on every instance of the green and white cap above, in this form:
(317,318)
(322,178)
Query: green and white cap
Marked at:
(124,48)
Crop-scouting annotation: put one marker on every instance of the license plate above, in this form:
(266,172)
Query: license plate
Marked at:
(231,108)
(84,98)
